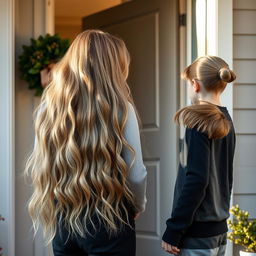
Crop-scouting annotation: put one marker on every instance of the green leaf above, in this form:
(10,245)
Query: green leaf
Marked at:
(33,71)
(45,49)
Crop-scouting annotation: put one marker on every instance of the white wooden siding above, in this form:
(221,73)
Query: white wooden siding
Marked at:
(249,96)
(244,184)
(244,21)
(244,40)
(244,4)
(245,153)
(246,201)
(245,69)
(244,120)
(244,46)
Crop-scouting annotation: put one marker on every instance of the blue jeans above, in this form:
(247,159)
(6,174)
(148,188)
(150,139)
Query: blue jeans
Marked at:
(219,251)
(207,246)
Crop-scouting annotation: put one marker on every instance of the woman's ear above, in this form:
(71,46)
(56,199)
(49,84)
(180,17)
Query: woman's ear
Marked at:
(196,85)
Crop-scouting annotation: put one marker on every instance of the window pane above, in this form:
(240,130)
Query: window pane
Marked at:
(198,28)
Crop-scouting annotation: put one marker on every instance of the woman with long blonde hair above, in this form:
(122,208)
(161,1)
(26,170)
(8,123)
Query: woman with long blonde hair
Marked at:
(86,167)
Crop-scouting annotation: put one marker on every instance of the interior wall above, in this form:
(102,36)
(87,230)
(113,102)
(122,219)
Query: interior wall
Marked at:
(68,14)
(68,27)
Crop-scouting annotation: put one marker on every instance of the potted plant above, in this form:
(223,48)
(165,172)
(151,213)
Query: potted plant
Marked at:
(38,58)
(243,231)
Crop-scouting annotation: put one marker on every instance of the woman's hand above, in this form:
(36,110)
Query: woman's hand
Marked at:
(169,248)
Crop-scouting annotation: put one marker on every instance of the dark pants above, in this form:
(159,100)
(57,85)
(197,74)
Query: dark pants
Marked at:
(100,244)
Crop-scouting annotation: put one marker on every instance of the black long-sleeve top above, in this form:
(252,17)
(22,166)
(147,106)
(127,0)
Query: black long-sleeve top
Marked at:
(203,186)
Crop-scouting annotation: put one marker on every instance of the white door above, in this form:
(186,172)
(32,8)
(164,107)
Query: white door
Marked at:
(149,28)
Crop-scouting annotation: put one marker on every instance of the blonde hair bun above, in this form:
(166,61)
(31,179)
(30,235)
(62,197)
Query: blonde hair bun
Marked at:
(227,75)
(212,71)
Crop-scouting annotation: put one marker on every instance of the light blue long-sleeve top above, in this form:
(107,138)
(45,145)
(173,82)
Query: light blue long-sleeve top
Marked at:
(137,177)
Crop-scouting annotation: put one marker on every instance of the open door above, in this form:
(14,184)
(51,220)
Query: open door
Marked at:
(150,31)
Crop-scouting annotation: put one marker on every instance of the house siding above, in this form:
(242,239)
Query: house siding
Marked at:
(244,60)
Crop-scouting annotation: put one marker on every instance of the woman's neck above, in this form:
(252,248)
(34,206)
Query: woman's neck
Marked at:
(213,99)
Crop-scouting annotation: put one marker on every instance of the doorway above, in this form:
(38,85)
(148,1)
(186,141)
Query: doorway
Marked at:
(150,31)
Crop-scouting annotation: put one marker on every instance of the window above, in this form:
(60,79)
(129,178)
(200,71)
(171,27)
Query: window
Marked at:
(203,28)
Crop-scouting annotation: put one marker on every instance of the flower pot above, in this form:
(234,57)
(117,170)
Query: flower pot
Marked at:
(45,75)
(242,253)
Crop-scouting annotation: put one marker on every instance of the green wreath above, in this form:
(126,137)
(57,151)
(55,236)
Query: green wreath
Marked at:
(41,53)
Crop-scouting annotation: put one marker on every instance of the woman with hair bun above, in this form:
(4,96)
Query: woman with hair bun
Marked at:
(203,187)
(86,167)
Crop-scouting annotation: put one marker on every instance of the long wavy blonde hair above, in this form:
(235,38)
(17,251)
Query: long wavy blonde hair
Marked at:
(76,165)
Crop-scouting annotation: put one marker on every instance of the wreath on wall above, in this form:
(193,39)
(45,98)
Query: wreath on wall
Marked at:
(38,58)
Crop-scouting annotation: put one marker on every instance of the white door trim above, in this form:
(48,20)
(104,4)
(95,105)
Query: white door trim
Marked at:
(7,99)
(50,16)
(224,35)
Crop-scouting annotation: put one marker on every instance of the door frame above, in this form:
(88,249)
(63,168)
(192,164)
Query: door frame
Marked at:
(222,34)
(224,45)
(7,129)
(224,48)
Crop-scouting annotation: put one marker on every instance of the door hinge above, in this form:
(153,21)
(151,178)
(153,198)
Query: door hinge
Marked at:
(183,19)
